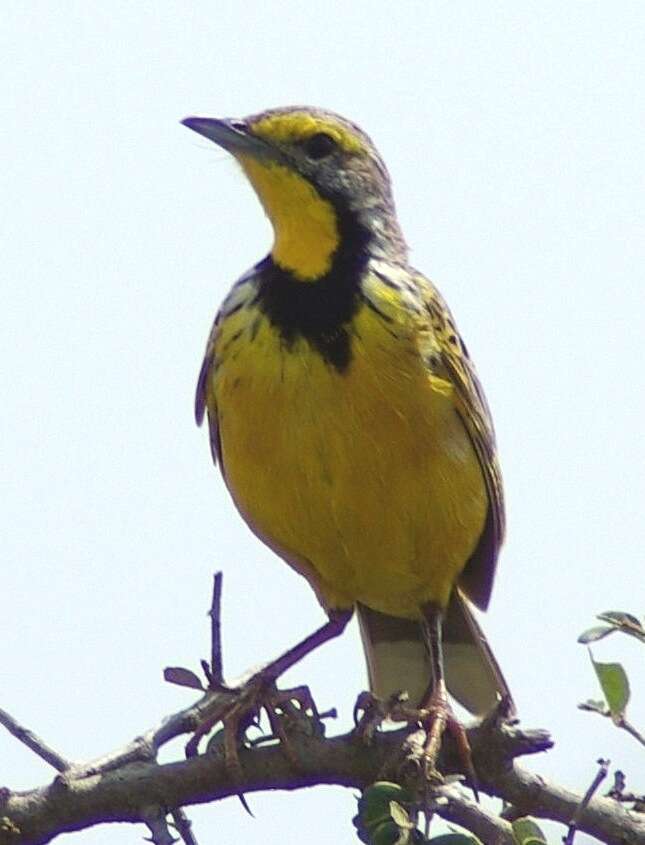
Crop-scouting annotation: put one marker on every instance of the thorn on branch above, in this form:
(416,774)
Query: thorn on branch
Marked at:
(245,804)
(206,669)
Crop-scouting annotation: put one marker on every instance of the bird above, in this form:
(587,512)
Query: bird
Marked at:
(348,420)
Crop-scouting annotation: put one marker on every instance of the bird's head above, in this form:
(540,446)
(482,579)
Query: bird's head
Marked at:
(321,181)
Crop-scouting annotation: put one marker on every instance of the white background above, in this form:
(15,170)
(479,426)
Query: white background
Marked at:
(514,135)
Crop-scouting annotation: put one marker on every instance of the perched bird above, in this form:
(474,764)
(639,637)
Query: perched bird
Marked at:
(347,418)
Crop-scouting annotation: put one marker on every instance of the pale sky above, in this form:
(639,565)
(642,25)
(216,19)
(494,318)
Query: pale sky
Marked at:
(514,135)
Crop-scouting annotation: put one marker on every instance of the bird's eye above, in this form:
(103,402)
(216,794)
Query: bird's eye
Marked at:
(319,145)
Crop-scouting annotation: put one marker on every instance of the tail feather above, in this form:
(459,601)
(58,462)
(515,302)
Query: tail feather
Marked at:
(398,660)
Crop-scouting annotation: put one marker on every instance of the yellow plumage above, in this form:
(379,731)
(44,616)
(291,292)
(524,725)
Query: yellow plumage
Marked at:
(366,480)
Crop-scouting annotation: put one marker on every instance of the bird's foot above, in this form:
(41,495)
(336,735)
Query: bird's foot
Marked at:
(422,747)
(292,711)
(237,708)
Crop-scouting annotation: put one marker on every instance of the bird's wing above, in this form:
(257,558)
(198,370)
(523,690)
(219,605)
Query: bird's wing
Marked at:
(202,402)
(239,296)
(442,346)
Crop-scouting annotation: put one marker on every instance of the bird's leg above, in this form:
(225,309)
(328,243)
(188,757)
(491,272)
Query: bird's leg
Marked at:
(436,713)
(430,719)
(237,712)
(337,623)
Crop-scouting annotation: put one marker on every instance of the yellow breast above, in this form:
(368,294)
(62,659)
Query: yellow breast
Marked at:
(365,480)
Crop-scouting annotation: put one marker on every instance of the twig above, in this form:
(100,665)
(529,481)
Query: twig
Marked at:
(626,726)
(35,743)
(620,722)
(618,792)
(216,667)
(144,748)
(183,826)
(155,819)
(601,774)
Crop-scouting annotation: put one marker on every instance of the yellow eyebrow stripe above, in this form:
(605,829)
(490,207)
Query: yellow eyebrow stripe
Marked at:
(282,128)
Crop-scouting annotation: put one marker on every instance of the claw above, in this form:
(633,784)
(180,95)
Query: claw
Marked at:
(370,712)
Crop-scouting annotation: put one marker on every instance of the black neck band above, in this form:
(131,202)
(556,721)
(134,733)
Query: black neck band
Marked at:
(319,311)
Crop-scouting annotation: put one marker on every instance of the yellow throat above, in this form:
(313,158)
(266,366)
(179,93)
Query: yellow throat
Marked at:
(305,225)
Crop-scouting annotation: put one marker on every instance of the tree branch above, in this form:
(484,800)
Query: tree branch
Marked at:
(455,805)
(127,792)
(603,818)
(129,785)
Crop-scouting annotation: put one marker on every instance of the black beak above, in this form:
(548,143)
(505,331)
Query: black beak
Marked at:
(232,135)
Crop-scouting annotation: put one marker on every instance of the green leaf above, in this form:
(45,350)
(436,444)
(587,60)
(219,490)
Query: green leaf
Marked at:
(526,832)
(375,804)
(614,685)
(400,816)
(455,839)
(591,635)
(389,833)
